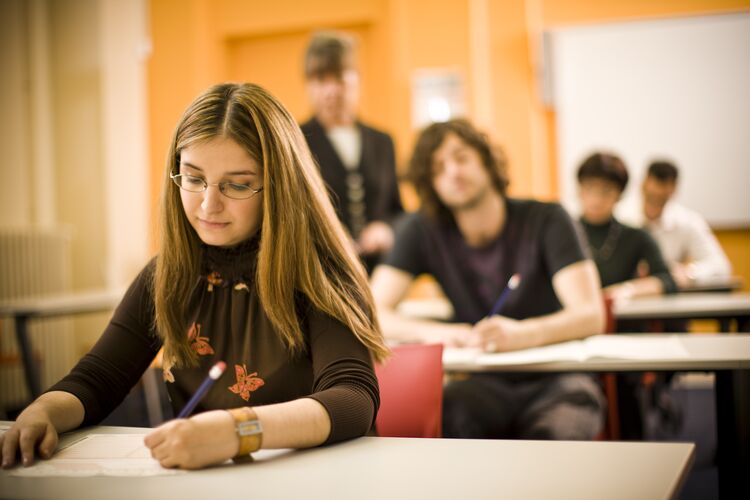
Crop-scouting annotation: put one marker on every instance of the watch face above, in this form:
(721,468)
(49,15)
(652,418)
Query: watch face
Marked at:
(249,428)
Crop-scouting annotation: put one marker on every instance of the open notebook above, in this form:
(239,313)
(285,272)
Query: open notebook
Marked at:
(598,346)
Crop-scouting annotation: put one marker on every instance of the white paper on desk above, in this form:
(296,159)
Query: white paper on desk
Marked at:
(642,347)
(598,346)
(462,355)
(564,351)
(99,455)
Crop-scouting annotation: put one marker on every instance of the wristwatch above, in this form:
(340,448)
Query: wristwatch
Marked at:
(249,431)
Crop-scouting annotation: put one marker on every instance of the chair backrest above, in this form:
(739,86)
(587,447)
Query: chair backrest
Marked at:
(610,324)
(609,383)
(411,392)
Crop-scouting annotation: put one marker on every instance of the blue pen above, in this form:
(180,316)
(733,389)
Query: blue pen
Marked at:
(512,285)
(213,374)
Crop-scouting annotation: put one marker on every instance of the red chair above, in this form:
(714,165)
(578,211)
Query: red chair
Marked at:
(411,392)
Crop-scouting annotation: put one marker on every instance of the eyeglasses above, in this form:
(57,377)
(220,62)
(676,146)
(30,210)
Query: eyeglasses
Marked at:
(232,190)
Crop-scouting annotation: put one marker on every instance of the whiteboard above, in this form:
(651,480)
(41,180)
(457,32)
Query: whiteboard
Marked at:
(676,89)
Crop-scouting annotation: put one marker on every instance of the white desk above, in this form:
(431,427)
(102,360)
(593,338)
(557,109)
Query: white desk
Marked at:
(721,306)
(45,307)
(402,468)
(727,354)
(63,304)
(730,284)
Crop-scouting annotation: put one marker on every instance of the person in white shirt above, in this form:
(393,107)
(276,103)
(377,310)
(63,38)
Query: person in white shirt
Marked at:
(686,241)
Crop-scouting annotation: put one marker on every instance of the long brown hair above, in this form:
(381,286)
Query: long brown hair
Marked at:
(303,247)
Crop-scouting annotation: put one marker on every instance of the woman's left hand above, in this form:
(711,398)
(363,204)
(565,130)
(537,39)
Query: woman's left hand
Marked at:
(206,439)
(500,334)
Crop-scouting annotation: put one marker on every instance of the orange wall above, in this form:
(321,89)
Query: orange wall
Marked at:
(200,42)
(559,12)
(736,244)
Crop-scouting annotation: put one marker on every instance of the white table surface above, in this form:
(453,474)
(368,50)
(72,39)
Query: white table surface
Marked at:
(402,468)
(682,305)
(63,304)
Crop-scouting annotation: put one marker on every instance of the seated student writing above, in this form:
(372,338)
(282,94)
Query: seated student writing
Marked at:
(628,259)
(690,248)
(254,269)
(630,265)
(472,238)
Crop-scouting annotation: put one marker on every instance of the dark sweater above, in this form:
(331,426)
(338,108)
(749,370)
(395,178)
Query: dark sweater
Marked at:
(228,323)
(377,166)
(618,249)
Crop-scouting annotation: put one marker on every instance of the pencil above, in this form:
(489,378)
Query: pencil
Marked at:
(213,374)
(512,285)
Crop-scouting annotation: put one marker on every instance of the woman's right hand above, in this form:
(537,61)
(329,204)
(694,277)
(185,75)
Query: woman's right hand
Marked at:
(32,434)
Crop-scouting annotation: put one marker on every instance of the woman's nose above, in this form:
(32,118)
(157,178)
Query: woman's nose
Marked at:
(212,201)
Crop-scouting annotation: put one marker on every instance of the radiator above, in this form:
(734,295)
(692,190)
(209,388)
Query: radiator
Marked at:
(33,263)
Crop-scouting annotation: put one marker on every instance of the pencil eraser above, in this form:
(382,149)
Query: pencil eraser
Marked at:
(217,370)
(514,281)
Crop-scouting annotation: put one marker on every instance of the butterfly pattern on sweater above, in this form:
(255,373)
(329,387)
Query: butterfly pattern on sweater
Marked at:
(246,383)
(198,343)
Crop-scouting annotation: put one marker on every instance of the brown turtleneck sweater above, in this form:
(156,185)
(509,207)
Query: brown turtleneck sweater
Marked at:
(228,323)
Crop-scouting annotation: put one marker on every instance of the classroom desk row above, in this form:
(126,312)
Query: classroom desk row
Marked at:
(721,306)
(395,468)
(23,310)
(727,355)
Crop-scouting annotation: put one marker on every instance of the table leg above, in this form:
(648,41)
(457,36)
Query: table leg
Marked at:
(725,325)
(733,432)
(29,367)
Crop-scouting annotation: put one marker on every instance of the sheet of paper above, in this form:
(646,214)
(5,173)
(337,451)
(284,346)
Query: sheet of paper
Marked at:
(599,346)
(564,351)
(643,347)
(456,356)
(99,454)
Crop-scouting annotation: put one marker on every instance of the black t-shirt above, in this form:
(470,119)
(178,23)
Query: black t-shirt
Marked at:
(538,240)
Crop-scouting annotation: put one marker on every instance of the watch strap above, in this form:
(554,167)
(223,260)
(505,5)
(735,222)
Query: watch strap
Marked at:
(249,430)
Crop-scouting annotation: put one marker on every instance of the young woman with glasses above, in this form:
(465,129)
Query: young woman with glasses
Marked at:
(255,270)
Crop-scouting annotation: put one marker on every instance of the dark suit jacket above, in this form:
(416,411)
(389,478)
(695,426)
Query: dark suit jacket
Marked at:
(377,166)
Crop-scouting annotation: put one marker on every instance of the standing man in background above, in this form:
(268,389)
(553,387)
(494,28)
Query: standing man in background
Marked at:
(356,161)
(685,239)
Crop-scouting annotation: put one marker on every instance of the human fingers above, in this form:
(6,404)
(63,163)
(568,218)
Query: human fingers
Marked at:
(164,454)
(48,444)
(27,440)
(9,448)
(488,334)
(486,327)
(157,436)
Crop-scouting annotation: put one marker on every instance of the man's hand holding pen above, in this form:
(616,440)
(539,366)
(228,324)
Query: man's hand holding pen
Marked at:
(499,334)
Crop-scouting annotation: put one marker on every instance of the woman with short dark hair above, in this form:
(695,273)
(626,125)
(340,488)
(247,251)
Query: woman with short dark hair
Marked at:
(628,259)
